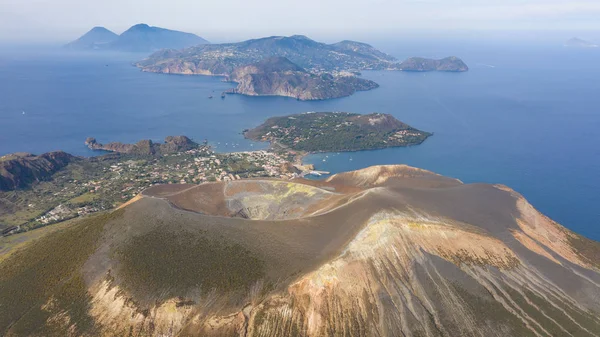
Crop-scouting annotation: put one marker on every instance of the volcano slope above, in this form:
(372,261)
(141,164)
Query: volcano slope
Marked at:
(383,251)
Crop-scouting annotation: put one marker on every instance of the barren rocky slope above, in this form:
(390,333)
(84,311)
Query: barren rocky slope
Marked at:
(384,251)
(279,76)
(21,169)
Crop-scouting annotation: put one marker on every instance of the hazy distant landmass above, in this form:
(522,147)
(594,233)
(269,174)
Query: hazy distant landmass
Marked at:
(279,76)
(337,131)
(577,42)
(452,63)
(96,38)
(138,38)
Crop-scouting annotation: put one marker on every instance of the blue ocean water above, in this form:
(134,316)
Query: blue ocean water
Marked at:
(524,116)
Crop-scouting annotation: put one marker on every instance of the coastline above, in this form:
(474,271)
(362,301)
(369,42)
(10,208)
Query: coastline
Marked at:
(299,156)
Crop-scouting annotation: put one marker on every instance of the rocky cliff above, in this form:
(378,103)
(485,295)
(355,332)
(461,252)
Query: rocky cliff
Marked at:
(172,144)
(280,77)
(383,251)
(21,169)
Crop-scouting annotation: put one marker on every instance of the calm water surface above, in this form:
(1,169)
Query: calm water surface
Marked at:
(524,116)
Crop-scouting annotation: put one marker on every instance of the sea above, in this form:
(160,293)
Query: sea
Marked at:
(526,115)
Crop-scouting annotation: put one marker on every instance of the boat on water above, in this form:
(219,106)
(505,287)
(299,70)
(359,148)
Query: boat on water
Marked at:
(210,97)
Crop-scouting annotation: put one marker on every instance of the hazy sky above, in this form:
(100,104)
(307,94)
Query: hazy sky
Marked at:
(218,20)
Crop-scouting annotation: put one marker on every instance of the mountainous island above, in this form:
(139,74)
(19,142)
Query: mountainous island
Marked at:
(138,38)
(222,59)
(97,38)
(279,76)
(382,251)
(581,43)
(336,61)
(172,144)
(336,131)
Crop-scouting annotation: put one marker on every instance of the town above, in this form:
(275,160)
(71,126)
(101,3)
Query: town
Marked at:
(105,182)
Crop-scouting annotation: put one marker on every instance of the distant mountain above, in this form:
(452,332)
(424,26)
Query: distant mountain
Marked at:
(452,64)
(279,76)
(577,42)
(96,38)
(19,170)
(139,38)
(222,59)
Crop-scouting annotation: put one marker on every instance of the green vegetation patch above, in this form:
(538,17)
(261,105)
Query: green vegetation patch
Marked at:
(84,199)
(44,280)
(337,131)
(163,264)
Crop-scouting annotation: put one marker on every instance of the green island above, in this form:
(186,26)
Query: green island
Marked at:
(336,131)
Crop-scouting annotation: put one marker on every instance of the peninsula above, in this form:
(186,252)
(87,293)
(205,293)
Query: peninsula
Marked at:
(172,144)
(336,131)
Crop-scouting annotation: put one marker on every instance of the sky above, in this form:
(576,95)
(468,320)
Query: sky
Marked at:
(231,20)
